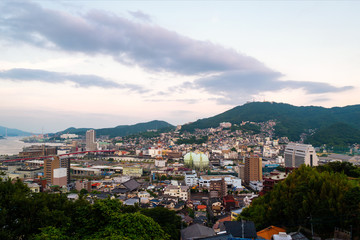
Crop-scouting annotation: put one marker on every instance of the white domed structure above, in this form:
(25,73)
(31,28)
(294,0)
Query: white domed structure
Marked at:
(189,158)
(201,161)
(196,160)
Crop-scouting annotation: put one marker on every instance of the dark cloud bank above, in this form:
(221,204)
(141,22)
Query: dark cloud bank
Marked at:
(151,47)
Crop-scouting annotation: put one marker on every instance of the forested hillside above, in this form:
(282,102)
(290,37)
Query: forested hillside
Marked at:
(123,130)
(338,134)
(291,120)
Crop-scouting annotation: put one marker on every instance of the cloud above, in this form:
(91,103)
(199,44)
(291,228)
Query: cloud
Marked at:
(21,74)
(239,86)
(148,46)
(141,16)
(229,74)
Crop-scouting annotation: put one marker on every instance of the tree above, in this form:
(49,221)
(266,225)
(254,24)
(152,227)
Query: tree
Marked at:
(167,219)
(326,196)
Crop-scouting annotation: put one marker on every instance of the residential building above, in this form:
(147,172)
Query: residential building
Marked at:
(50,164)
(177,191)
(218,186)
(191,179)
(253,169)
(60,177)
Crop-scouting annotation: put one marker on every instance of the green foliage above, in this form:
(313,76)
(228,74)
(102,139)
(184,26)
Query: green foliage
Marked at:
(341,167)
(337,135)
(26,215)
(291,120)
(122,130)
(308,192)
(168,220)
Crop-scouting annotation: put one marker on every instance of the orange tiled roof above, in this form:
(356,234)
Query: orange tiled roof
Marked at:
(225,219)
(268,232)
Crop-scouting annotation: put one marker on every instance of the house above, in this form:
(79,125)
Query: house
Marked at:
(73,196)
(219,225)
(268,232)
(196,231)
(201,208)
(177,191)
(34,187)
(216,206)
(281,236)
(229,203)
(132,201)
(132,185)
(243,229)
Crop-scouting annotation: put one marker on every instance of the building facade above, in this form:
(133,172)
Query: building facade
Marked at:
(50,164)
(90,140)
(297,154)
(253,169)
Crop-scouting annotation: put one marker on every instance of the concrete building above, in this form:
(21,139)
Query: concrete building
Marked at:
(177,191)
(53,163)
(241,172)
(219,187)
(83,185)
(60,177)
(90,140)
(133,171)
(231,181)
(160,162)
(253,169)
(191,179)
(297,154)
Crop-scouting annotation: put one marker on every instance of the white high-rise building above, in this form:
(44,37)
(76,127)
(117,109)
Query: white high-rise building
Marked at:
(91,145)
(297,154)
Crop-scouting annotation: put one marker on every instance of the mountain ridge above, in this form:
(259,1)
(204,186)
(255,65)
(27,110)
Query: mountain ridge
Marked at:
(13,132)
(291,120)
(121,130)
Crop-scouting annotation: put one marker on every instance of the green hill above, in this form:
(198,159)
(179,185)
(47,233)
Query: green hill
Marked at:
(291,120)
(122,130)
(338,134)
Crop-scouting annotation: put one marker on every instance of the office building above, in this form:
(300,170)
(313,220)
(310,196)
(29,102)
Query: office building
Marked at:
(91,144)
(297,154)
(253,169)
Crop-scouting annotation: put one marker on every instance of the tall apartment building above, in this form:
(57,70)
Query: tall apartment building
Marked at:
(241,172)
(90,140)
(50,164)
(297,154)
(218,186)
(253,169)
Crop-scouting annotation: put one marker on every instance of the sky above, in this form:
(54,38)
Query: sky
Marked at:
(105,63)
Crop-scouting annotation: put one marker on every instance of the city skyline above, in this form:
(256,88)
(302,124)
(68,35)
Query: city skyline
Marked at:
(101,64)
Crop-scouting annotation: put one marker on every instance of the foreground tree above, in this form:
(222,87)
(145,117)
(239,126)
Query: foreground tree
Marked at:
(325,199)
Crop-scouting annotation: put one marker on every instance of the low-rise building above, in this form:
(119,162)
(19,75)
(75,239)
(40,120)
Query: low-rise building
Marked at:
(177,191)
(191,179)
(133,171)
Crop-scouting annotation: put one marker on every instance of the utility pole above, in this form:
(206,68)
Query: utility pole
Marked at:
(312,228)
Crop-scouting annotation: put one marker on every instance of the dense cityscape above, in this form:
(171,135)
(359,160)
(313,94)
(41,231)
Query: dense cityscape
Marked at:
(179,120)
(210,181)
